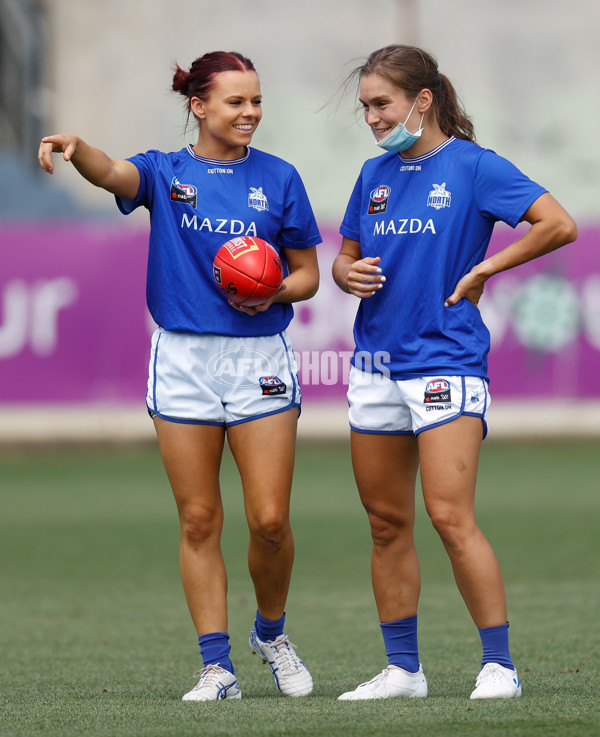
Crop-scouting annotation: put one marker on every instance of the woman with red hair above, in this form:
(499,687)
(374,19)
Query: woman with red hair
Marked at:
(198,198)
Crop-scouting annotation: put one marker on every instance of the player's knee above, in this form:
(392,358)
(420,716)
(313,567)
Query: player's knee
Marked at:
(199,526)
(386,530)
(270,530)
(451,526)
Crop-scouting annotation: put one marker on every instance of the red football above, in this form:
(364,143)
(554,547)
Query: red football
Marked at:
(248,270)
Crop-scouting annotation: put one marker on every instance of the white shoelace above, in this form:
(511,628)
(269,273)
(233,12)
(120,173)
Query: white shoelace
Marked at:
(491,673)
(208,676)
(379,677)
(286,656)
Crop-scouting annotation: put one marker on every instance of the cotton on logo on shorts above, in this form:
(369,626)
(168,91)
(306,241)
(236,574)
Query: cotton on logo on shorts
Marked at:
(241,367)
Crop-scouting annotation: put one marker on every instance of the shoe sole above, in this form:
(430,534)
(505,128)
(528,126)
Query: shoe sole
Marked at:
(238,695)
(488,698)
(379,698)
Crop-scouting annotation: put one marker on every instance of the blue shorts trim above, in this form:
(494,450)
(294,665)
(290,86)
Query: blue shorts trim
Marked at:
(381,432)
(288,353)
(182,420)
(186,421)
(154,372)
(264,414)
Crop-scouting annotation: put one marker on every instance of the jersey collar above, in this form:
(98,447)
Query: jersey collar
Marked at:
(216,162)
(429,154)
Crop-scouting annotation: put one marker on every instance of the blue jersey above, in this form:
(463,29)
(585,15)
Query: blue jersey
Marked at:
(195,206)
(430,219)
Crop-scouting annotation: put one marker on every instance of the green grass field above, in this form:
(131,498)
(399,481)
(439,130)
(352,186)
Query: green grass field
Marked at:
(95,637)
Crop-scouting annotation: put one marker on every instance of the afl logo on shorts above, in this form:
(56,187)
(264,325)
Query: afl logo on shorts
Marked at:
(184,193)
(271,385)
(437,390)
(378,199)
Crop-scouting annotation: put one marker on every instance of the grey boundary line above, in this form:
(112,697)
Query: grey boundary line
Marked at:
(548,418)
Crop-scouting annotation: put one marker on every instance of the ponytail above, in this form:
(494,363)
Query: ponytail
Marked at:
(201,77)
(451,116)
(181,81)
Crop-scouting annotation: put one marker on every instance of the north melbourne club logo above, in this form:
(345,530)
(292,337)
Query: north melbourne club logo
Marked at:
(378,199)
(439,197)
(257,199)
(184,193)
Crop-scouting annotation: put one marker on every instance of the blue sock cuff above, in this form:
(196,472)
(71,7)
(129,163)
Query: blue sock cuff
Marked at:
(400,640)
(269,629)
(494,641)
(406,622)
(215,649)
(493,630)
(203,639)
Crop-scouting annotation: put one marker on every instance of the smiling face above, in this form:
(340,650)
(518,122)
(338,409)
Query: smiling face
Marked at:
(229,116)
(385,106)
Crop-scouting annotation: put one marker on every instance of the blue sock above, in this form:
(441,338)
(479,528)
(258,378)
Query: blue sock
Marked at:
(215,648)
(400,639)
(268,629)
(495,645)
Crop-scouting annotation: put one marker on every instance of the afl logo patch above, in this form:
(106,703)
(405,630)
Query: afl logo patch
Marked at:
(437,390)
(271,385)
(378,199)
(184,193)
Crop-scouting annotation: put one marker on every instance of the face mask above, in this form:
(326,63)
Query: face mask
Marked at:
(399,139)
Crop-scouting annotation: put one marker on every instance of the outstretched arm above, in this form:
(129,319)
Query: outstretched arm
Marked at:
(551,228)
(115,175)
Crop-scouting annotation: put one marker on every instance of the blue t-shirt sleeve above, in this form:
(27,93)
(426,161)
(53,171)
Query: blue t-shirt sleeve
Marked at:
(350,226)
(147,165)
(299,225)
(502,191)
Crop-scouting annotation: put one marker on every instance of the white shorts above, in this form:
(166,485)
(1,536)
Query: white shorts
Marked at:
(378,404)
(219,380)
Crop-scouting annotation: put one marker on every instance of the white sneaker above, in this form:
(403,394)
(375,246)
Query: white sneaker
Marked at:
(291,676)
(497,682)
(215,684)
(391,682)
